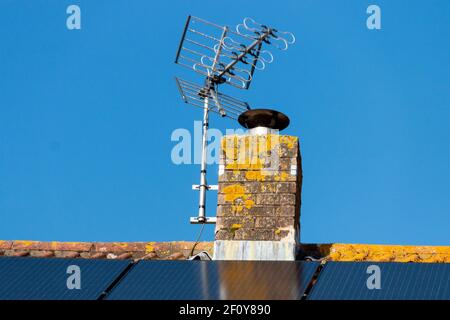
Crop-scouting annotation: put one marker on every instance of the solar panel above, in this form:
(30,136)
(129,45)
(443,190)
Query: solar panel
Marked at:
(397,281)
(215,280)
(47,279)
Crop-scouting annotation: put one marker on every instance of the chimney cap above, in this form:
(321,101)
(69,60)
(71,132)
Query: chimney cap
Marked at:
(267,118)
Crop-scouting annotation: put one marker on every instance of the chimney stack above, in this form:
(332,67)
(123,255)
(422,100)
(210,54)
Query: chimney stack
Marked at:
(260,180)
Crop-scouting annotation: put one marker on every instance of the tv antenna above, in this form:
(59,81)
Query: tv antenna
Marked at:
(223,56)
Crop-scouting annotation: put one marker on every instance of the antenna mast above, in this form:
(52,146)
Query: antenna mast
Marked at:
(222,56)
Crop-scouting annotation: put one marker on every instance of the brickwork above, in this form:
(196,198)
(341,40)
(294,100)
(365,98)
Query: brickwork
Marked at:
(259,188)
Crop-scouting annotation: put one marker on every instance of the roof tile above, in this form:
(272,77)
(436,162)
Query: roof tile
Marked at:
(149,256)
(42,254)
(160,248)
(30,245)
(98,255)
(51,246)
(176,256)
(5,245)
(67,254)
(71,246)
(17,253)
(124,256)
(378,253)
(119,247)
(181,250)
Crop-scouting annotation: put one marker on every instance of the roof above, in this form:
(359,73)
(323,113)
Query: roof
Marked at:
(180,250)
(378,253)
(176,250)
(128,271)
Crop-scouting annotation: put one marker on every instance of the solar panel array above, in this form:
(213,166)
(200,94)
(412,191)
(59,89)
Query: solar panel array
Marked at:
(47,279)
(214,280)
(398,281)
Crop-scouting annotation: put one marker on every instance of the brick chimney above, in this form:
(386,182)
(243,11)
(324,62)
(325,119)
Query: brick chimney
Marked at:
(258,211)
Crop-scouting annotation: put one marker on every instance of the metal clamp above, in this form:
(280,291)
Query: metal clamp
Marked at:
(209,187)
(201,220)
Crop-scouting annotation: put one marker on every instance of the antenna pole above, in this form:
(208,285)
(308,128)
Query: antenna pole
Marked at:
(203,184)
(203,187)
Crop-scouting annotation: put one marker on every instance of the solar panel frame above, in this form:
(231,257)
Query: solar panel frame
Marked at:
(399,281)
(215,280)
(27,278)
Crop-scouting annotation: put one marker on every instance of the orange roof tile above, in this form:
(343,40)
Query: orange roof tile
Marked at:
(378,253)
(181,249)
(103,250)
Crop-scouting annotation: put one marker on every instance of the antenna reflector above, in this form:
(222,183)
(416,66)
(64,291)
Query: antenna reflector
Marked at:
(222,104)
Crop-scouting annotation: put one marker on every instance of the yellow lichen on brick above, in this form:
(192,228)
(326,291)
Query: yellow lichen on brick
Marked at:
(407,258)
(385,253)
(233,192)
(263,175)
(436,259)
(245,165)
(149,247)
(237,196)
(249,203)
(24,243)
(267,187)
(250,145)
(289,141)
(283,176)
(255,176)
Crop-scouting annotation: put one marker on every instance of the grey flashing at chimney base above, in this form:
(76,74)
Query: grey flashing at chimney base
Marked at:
(254,250)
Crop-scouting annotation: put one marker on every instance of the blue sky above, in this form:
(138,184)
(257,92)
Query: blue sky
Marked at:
(86,118)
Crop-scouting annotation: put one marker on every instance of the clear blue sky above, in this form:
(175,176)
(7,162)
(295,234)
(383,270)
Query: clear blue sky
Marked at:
(86,118)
